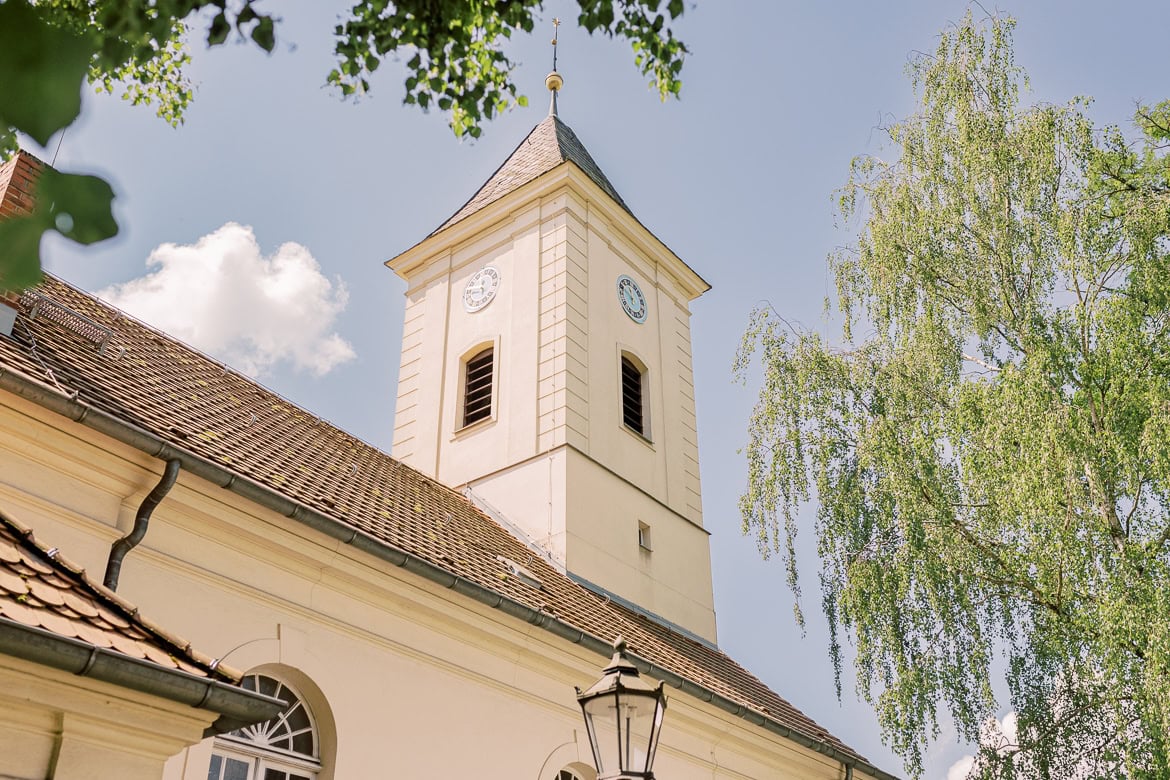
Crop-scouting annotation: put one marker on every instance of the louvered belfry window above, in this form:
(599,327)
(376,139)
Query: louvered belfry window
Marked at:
(632,397)
(477,391)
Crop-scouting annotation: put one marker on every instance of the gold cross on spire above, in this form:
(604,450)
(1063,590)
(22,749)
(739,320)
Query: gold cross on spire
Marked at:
(556,33)
(554,81)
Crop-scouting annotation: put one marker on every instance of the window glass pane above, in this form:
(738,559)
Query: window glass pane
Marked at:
(215,768)
(235,769)
(303,743)
(275,774)
(297,717)
(268,685)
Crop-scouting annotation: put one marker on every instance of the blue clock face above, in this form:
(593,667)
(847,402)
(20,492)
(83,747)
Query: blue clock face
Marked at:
(632,300)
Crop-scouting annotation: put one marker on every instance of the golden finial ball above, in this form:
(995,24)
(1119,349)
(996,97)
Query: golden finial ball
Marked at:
(554,81)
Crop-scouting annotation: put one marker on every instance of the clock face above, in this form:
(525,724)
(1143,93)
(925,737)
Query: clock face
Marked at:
(481,288)
(632,299)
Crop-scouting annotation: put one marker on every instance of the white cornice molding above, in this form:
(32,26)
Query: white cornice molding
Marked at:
(568,175)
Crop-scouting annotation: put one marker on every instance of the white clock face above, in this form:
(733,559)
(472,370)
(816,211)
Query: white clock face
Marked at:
(632,299)
(481,288)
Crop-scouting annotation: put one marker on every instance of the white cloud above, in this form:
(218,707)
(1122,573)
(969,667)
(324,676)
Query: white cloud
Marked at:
(999,734)
(223,296)
(960,768)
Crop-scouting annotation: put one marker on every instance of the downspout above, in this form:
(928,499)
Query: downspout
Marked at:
(128,542)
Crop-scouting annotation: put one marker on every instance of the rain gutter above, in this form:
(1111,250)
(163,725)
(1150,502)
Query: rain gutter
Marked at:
(96,419)
(236,706)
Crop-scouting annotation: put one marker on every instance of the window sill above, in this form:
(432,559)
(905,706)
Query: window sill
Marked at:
(474,427)
(644,439)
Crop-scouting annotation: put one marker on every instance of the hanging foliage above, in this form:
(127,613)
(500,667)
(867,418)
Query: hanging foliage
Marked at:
(990,462)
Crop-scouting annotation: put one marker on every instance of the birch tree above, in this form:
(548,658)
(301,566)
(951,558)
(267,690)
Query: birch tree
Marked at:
(988,443)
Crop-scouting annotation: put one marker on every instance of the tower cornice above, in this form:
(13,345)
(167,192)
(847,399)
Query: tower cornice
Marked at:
(569,176)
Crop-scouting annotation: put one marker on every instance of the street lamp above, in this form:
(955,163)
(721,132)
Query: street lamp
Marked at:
(623,717)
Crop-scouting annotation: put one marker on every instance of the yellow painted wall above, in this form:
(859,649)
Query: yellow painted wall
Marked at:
(417,681)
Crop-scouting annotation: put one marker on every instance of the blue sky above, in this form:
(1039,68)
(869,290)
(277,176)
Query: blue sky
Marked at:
(737,177)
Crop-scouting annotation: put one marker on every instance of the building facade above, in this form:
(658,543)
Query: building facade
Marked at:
(426,614)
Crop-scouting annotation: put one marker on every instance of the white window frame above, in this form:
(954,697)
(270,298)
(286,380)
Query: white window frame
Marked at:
(461,387)
(261,757)
(644,376)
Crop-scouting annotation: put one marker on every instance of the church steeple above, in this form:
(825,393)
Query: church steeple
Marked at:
(546,371)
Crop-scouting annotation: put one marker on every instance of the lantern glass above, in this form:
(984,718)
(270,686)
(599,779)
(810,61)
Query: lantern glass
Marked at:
(623,727)
(623,717)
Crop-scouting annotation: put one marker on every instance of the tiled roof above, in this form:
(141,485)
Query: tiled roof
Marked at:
(41,588)
(114,363)
(550,144)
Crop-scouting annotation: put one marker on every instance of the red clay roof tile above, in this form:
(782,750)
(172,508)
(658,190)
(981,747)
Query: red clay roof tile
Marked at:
(145,378)
(41,588)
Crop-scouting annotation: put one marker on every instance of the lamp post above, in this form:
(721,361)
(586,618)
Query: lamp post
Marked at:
(623,717)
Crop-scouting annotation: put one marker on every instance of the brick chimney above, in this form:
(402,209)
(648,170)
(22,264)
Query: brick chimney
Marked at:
(18,181)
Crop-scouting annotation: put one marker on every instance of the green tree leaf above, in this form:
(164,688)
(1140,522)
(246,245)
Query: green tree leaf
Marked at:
(42,68)
(264,34)
(20,262)
(137,46)
(219,30)
(77,206)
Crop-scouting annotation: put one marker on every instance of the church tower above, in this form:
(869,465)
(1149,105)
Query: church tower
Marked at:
(546,371)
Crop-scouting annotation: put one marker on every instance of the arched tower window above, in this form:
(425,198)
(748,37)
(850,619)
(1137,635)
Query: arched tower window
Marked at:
(477,386)
(634,395)
(284,748)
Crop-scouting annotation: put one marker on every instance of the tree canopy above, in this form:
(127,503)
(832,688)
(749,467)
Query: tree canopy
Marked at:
(452,53)
(988,444)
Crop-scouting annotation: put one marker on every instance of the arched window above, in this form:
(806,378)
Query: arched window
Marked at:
(284,748)
(634,394)
(575,771)
(477,386)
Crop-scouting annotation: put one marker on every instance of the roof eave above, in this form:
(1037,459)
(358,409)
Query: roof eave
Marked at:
(235,706)
(103,422)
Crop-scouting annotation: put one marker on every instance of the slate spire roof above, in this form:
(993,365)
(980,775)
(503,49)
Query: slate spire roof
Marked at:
(550,144)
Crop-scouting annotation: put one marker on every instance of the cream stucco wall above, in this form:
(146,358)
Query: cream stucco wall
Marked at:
(408,679)
(57,725)
(555,459)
